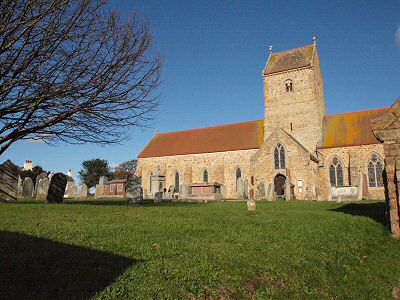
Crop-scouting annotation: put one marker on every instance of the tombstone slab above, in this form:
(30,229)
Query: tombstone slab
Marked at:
(158,197)
(57,188)
(183,191)
(245,189)
(42,189)
(38,177)
(8,182)
(27,187)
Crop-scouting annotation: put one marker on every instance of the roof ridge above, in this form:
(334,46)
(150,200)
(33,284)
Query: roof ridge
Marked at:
(297,48)
(358,111)
(207,127)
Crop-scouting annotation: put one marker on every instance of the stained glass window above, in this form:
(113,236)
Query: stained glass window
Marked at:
(205,176)
(279,157)
(336,172)
(375,171)
(177,181)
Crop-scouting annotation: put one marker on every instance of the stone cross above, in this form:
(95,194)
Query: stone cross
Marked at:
(42,189)
(57,188)
(27,187)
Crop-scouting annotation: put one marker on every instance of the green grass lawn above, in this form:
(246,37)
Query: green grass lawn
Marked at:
(283,250)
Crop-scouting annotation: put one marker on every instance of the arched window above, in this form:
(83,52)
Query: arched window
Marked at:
(279,157)
(151,174)
(176,181)
(238,175)
(205,176)
(289,85)
(336,172)
(375,171)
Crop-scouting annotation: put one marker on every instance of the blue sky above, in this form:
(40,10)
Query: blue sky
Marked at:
(214,52)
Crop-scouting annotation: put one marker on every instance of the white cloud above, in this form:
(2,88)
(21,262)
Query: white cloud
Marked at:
(397,36)
(114,165)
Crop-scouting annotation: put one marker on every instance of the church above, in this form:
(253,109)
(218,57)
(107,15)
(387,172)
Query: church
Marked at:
(296,152)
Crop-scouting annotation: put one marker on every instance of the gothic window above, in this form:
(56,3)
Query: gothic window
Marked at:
(176,181)
(289,86)
(336,172)
(205,176)
(375,171)
(238,175)
(279,157)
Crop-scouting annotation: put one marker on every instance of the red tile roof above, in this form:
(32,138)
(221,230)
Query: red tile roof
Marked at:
(350,129)
(229,137)
(289,59)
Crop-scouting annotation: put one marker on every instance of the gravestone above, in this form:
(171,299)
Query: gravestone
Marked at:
(8,182)
(134,191)
(271,192)
(40,176)
(183,191)
(158,197)
(19,187)
(27,187)
(260,192)
(57,188)
(72,190)
(42,189)
(84,191)
(251,205)
(287,188)
(240,187)
(360,186)
(246,189)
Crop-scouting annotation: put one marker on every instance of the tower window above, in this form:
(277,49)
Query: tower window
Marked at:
(289,86)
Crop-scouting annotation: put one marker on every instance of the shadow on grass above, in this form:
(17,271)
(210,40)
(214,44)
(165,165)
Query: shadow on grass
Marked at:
(375,211)
(37,268)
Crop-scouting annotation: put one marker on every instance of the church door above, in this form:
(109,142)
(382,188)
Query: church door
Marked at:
(279,182)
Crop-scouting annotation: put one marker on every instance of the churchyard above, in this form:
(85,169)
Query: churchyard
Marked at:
(105,249)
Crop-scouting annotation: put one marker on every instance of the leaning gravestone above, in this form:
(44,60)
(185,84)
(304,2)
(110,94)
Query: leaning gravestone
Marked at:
(42,189)
(84,191)
(40,176)
(134,191)
(57,188)
(240,187)
(8,182)
(260,193)
(27,187)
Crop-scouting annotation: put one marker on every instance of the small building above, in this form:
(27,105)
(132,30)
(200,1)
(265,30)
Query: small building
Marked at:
(112,188)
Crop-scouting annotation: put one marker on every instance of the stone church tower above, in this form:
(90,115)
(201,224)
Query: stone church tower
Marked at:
(294,95)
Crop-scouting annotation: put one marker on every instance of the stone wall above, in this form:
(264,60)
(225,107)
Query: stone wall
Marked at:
(221,168)
(354,159)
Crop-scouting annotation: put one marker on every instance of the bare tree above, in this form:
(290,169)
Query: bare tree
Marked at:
(73,71)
